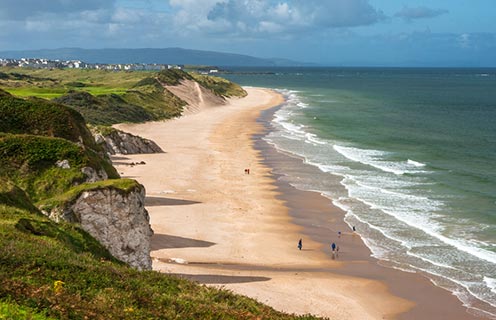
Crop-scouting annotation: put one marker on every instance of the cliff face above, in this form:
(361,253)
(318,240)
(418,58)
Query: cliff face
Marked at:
(119,142)
(116,218)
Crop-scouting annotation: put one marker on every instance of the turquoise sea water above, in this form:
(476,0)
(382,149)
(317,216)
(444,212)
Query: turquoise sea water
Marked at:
(410,155)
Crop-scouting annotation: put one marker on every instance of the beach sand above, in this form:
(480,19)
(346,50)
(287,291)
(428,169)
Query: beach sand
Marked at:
(215,224)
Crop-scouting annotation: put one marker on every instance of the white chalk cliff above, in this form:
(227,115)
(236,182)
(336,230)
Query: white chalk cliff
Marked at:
(116,218)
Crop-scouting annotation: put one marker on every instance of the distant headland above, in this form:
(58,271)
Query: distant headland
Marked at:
(176,56)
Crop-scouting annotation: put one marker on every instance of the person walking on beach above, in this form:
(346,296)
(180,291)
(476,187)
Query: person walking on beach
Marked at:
(333,247)
(300,244)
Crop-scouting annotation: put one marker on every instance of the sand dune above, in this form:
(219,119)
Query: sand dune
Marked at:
(197,97)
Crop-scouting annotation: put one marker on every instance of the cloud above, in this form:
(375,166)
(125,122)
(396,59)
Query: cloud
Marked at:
(410,14)
(96,23)
(253,18)
(22,9)
(89,23)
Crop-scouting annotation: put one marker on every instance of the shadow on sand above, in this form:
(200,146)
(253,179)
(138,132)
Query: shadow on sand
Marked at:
(159,201)
(164,241)
(217,279)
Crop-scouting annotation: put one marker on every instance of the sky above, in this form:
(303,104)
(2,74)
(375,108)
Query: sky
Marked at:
(326,32)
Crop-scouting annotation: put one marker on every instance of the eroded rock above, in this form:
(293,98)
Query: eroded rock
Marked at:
(117,219)
(120,142)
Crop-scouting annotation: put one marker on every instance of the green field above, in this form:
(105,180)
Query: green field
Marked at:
(53,83)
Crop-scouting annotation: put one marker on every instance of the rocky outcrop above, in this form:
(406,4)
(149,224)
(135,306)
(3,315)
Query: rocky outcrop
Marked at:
(119,142)
(116,218)
(93,175)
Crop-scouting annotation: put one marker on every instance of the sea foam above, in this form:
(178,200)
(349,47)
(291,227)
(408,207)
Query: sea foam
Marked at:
(491,283)
(400,220)
(415,163)
(374,158)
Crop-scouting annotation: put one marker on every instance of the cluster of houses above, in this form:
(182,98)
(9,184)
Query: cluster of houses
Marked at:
(76,64)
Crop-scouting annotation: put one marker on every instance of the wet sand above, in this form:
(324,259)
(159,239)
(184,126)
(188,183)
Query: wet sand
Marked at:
(321,221)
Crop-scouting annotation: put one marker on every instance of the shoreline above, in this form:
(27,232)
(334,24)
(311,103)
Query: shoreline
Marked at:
(218,226)
(321,220)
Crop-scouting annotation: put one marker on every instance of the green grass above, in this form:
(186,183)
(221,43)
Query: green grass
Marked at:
(30,162)
(51,93)
(57,271)
(98,91)
(42,117)
(173,77)
(106,109)
(54,83)
(13,196)
(59,200)
(109,78)
(13,311)
(159,101)
(45,93)
(220,86)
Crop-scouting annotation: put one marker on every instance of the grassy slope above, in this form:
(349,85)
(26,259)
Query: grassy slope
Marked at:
(42,117)
(109,97)
(29,161)
(106,109)
(59,271)
(220,86)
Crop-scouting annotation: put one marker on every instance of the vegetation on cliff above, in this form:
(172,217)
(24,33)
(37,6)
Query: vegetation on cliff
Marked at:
(45,118)
(173,77)
(57,271)
(220,86)
(15,197)
(121,185)
(31,163)
(153,97)
(36,136)
(105,109)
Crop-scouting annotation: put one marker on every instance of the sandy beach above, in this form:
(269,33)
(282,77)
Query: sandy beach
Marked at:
(215,224)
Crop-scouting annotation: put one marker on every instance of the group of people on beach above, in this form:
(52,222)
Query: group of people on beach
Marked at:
(334,246)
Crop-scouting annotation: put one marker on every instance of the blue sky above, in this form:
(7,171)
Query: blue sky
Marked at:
(328,32)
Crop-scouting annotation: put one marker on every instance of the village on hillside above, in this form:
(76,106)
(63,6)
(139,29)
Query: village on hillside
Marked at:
(38,63)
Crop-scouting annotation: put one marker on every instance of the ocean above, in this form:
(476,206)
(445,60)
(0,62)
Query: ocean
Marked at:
(409,155)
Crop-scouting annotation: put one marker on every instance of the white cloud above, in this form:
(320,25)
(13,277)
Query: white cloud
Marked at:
(22,9)
(128,16)
(115,21)
(464,40)
(253,17)
(413,13)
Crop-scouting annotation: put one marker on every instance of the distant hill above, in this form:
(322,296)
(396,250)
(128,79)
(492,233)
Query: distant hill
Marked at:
(150,55)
